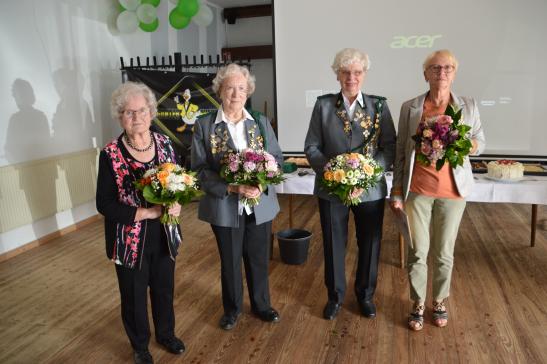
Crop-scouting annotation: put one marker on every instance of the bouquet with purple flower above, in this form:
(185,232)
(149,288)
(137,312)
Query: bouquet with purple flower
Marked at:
(251,167)
(442,138)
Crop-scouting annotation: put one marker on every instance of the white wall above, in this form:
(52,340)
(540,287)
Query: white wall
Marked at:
(59,66)
(250,32)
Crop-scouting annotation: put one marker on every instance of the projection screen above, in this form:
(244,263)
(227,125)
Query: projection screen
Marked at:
(500,45)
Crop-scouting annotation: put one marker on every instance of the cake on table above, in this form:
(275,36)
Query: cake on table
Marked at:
(505,169)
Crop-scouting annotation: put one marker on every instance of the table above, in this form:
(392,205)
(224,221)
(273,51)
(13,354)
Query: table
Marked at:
(531,190)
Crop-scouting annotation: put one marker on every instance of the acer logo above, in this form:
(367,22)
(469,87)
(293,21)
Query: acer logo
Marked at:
(414,41)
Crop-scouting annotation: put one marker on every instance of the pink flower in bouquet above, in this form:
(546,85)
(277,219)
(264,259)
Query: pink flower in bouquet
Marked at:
(425,148)
(249,166)
(437,145)
(428,133)
(349,175)
(233,165)
(352,162)
(444,120)
(271,165)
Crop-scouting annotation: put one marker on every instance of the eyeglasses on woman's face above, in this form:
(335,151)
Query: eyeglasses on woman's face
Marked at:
(130,114)
(437,68)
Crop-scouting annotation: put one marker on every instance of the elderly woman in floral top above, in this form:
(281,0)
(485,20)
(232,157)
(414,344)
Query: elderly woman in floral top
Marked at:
(143,253)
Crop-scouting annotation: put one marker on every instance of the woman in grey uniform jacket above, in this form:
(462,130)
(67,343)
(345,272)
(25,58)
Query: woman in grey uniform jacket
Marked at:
(351,121)
(241,231)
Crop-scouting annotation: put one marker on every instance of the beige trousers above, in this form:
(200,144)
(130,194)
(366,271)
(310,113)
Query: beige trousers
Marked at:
(444,216)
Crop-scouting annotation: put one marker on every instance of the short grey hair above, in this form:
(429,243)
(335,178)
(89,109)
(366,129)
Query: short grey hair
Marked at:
(347,56)
(443,53)
(228,71)
(129,89)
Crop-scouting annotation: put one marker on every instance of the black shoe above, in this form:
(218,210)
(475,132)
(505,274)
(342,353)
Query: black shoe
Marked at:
(269,315)
(331,310)
(173,345)
(368,309)
(143,357)
(228,322)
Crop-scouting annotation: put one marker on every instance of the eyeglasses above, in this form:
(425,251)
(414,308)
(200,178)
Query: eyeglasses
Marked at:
(347,73)
(436,68)
(231,89)
(130,114)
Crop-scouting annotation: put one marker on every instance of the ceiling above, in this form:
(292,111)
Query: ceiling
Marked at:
(236,3)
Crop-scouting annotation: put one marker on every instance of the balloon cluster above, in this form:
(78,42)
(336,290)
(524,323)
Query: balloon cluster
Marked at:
(143,14)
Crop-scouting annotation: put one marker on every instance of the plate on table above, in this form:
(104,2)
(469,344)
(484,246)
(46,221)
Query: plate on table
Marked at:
(501,180)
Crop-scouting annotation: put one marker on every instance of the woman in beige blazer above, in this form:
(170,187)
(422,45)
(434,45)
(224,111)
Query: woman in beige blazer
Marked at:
(433,197)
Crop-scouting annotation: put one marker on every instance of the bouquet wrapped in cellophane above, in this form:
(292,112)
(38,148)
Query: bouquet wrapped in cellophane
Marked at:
(442,139)
(166,184)
(251,167)
(350,175)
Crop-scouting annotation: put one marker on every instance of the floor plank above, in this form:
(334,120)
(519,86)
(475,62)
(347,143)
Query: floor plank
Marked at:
(60,301)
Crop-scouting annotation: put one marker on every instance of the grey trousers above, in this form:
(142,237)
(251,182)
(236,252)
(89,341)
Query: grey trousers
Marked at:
(444,216)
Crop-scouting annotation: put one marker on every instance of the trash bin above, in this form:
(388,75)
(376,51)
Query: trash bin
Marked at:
(294,245)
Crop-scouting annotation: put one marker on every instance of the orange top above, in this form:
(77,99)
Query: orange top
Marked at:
(427,180)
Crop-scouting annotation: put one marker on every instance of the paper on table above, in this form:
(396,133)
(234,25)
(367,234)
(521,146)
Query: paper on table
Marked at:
(401,218)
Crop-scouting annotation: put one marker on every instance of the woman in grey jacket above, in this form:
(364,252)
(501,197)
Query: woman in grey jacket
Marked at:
(241,231)
(433,197)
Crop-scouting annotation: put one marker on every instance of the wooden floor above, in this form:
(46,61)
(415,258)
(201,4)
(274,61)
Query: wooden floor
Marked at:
(60,303)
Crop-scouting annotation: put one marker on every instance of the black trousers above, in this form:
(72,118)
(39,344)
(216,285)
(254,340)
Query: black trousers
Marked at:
(250,242)
(157,272)
(368,217)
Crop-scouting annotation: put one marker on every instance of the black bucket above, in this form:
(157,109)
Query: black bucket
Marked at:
(294,245)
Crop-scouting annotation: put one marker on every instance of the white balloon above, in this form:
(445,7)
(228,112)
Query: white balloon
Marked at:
(127,22)
(130,4)
(147,13)
(204,17)
(176,2)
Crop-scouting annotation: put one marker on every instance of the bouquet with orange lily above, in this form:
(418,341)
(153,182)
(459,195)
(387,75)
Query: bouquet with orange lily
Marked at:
(349,175)
(166,184)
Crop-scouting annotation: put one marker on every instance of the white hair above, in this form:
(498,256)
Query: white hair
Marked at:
(347,56)
(129,89)
(229,70)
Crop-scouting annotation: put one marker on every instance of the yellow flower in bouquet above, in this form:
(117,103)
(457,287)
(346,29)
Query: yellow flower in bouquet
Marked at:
(346,175)
(166,184)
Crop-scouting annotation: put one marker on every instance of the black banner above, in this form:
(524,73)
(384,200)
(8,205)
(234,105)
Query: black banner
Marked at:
(182,97)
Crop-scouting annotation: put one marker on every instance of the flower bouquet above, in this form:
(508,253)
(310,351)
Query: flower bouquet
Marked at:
(166,184)
(442,138)
(251,167)
(347,175)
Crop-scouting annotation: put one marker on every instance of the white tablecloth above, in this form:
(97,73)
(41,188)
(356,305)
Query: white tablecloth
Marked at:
(530,190)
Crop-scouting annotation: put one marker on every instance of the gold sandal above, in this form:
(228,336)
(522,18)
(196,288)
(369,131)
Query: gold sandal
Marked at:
(440,316)
(416,318)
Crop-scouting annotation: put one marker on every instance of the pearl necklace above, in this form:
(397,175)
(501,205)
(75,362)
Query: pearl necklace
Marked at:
(145,149)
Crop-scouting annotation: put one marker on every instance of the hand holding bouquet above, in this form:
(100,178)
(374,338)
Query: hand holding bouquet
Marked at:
(251,167)
(443,138)
(349,175)
(167,184)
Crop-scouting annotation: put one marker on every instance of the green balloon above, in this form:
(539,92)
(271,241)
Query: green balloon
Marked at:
(188,8)
(150,27)
(121,8)
(178,20)
(151,2)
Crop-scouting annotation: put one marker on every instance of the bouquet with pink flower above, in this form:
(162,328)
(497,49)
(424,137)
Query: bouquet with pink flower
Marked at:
(442,139)
(251,167)
(350,175)
(166,184)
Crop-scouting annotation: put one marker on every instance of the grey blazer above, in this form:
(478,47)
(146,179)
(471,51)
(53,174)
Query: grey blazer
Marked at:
(331,133)
(209,144)
(411,114)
